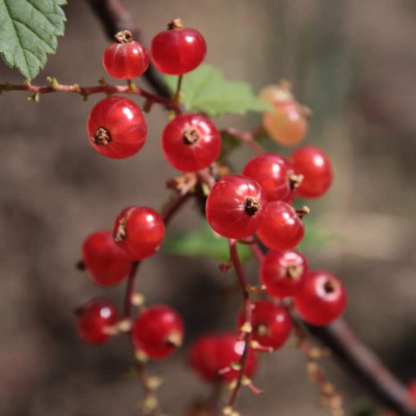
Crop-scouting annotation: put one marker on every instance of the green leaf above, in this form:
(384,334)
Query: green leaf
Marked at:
(207,91)
(28,32)
(202,243)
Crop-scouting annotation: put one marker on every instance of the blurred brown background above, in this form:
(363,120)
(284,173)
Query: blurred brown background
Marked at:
(352,61)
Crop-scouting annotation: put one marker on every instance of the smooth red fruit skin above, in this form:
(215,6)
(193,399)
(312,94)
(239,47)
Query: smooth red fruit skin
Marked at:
(226,206)
(178,51)
(182,153)
(411,388)
(281,228)
(139,232)
(105,262)
(322,298)
(211,353)
(158,332)
(271,324)
(94,318)
(125,60)
(315,166)
(283,272)
(125,123)
(273,173)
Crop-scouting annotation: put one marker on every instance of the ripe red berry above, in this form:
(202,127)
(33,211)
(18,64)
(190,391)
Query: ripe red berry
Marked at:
(178,50)
(235,206)
(282,227)
(411,388)
(116,127)
(158,332)
(212,353)
(125,59)
(94,319)
(271,324)
(276,176)
(322,298)
(106,263)
(316,168)
(283,272)
(139,232)
(191,142)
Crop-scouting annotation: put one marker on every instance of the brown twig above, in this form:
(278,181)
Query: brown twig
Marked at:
(246,137)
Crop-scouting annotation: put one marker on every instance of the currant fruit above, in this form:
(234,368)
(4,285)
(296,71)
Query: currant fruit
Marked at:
(316,168)
(116,127)
(322,298)
(235,206)
(271,324)
(158,332)
(283,272)
(178,50)
(282,227)
(106,263)
(125,59)
(191,142)
(276,93)
(94,319)
(139,232)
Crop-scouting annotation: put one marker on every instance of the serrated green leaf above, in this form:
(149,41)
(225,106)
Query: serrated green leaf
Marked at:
(206,90)
(28,32)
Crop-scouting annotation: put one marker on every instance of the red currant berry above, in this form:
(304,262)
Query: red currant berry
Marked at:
(283,272)
(271,324)
(158,332)
(191,142)
(276,93)
(116,127)
(139,232)
(94,320)
(411,388)
(316,168)
(282,227)
(322,298)
(106,263)
(235,206)
(276,176)
(178,50)
(212,354)
(126,59)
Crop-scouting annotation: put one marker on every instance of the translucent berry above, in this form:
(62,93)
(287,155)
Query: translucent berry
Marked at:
(282,227)
(158,332)
(276,93)
(283,272)
(105,262)
(125,59)
(211,356)
(322,298)
(276,176)
(95,319)
(191,142)
(271,324)
(316,168)
(139,232)
(178,50)
(235,206)
(116,127)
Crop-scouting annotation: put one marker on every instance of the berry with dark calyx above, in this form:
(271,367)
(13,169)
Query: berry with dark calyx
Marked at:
(158,332)
(105,262)
(235,206)
(125,59)
(95,319)
(139,232)
(191,142)
(322,298)
(316,168)
(275,174)
(276,93)
(116,127)
(211,354)
(282,227)
(283,272)
(178,50)
(271,324)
